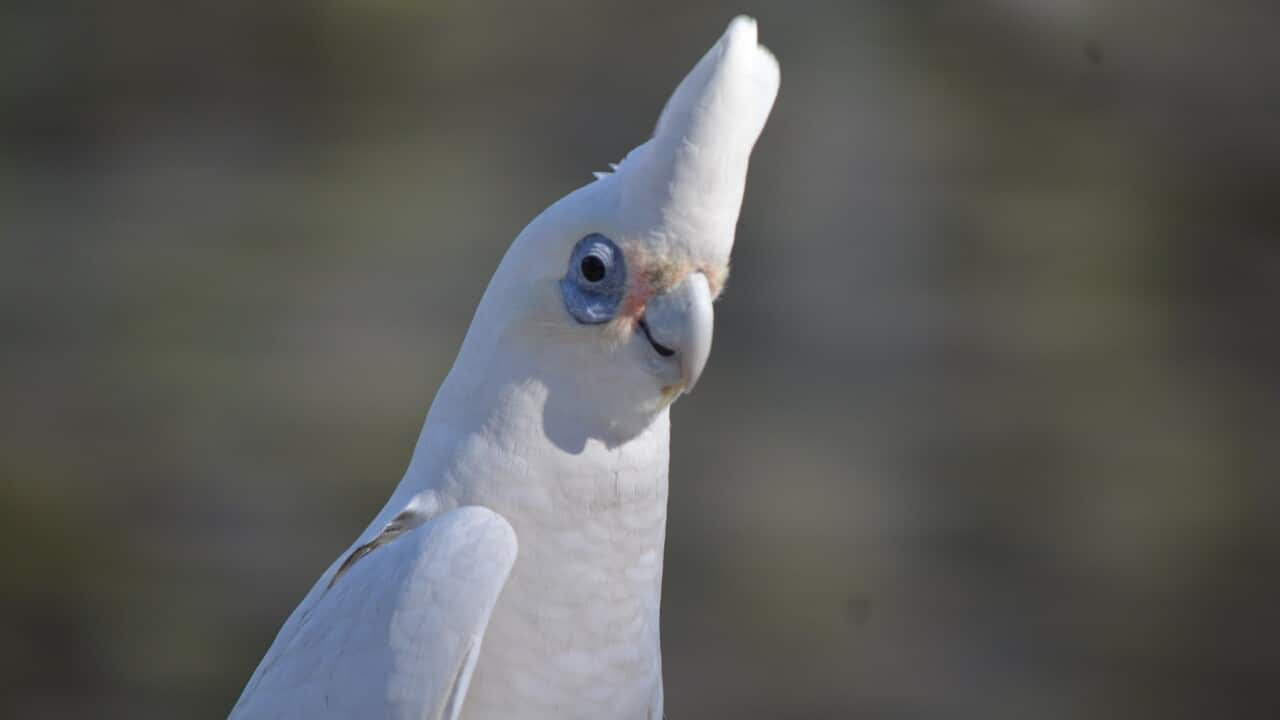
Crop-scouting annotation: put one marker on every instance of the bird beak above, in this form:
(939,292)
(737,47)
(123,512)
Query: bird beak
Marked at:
(679,324)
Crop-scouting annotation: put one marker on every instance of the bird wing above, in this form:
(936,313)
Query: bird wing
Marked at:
(396,632)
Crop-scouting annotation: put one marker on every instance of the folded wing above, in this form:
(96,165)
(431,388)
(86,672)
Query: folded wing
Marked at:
(397,634)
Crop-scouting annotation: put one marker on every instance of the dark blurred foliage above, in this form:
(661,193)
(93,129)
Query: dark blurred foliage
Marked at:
(991,425)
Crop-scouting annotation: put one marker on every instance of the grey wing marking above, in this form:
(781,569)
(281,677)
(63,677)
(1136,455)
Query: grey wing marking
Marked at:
(399,525)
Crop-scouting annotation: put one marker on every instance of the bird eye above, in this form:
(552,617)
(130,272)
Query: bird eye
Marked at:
(592,268)
(596,282)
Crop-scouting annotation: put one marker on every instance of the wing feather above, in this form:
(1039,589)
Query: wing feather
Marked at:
(398,635)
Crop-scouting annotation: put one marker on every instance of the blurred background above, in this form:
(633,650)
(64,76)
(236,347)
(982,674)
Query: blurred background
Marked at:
(990,430)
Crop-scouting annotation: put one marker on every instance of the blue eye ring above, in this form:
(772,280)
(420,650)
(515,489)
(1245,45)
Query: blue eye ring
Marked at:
(596,280)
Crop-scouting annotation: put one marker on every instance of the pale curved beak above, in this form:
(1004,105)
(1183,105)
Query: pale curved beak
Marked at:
(679,324)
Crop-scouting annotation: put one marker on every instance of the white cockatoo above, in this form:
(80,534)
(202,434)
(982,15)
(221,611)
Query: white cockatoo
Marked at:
(516,570)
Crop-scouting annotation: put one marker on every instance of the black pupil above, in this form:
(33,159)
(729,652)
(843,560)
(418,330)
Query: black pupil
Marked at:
(593,268)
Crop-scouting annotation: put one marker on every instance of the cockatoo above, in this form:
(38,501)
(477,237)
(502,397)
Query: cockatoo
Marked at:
(516,570)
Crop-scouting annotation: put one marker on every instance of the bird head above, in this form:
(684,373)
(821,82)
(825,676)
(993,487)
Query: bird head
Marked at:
(610,289)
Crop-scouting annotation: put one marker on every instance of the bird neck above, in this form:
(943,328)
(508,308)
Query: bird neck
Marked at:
(500,438)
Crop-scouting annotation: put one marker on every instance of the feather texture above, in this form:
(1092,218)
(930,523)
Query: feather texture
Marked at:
(552,430)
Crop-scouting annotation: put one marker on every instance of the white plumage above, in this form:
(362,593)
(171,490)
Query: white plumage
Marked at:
(516,570)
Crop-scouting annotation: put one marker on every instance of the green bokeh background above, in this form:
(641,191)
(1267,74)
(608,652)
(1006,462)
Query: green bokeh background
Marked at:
(990,428)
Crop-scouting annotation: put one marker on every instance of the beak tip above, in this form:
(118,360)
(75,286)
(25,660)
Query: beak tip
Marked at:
(691,372)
